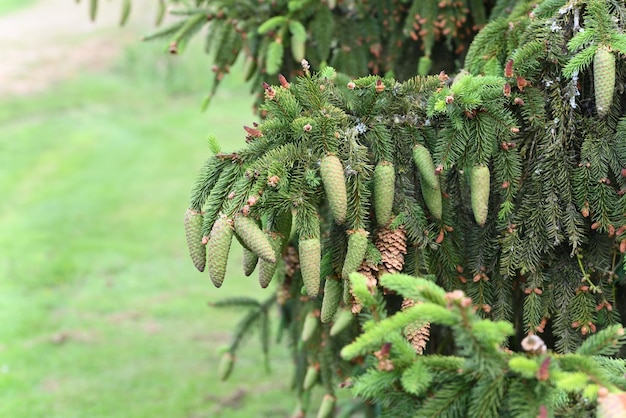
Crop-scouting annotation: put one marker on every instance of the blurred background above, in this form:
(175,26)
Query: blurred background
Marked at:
(102,313)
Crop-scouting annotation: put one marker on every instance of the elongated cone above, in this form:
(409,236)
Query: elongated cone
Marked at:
(425,165)
(312,373)
(298,48)
(254,238)
(347,292)
(250,261)
(603,79)
(266,269)
(226,365)
(334,181)
(218,247)
(479,190)
(384,187)
(343,319)
(357,246)
(309,327)
(193,233)
(327,407)
(433,200)
(310,260)
(332,296)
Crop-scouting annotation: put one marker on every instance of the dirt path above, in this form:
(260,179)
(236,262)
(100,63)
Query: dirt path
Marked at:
(54,40)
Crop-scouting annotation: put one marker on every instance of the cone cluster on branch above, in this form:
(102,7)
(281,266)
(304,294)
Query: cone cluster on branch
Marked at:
(504,171)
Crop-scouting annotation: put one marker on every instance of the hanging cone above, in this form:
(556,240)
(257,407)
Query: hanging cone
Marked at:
(425,165)
(332,296)
(418,332)
(342,321)
(334,181)
(603,79)
(310,260)
(250,261)
(193,233)
(266,269)
(392,246)
(226,366)
(254,238)
(384,187)
(218,248)
(433,200)
(479,190)
(357,246)
(310,378)
(309,327)
(327,407)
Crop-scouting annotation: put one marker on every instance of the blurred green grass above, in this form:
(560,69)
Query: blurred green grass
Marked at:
(7,6)
(102,313)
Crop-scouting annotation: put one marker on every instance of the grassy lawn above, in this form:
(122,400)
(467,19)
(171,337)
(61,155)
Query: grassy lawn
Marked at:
(102,312)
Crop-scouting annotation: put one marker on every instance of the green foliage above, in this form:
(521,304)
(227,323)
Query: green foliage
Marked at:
(480,377)
(355,37)
(537,240)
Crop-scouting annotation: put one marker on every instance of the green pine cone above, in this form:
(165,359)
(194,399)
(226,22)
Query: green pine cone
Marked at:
(332,296)
(603,79)
(309,327)
(254,238)
(226,365)
(310,260)
(384,187)
(347,294)
(193,233)
(310,378)
(433,200)
(327,407)
(298,48)
(479,189)
(334,181)
(266,269)
(218,249)
(343,319)
(357,246)
(250,260)
(425,165)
